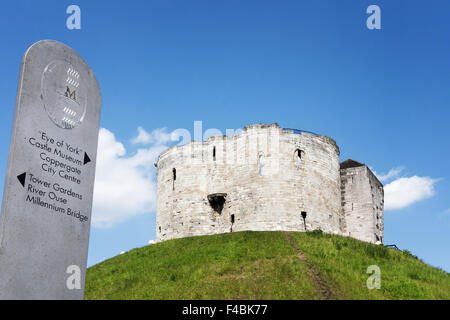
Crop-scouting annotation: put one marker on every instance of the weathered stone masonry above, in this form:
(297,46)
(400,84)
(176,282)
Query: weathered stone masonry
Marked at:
(265,178)
(362,202)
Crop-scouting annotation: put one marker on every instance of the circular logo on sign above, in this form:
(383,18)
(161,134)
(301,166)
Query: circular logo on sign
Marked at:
(64,94)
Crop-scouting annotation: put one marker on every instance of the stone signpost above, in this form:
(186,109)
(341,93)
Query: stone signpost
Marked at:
(47,200)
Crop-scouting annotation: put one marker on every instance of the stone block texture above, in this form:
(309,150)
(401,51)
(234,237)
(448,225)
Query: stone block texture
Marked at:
(264,178)
(362,202)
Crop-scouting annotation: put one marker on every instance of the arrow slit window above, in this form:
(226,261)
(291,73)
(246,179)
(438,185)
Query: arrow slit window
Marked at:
(298,155)
(260,164)
(174,178)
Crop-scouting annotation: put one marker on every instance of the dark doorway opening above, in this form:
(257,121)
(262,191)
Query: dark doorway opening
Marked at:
(217,201)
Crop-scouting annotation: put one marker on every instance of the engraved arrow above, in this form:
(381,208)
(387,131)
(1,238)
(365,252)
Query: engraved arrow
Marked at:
(21,178)
(86,159)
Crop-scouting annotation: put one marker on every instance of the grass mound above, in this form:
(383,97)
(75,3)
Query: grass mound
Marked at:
(264,265)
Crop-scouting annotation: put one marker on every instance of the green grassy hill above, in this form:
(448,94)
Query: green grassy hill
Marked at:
(264,265)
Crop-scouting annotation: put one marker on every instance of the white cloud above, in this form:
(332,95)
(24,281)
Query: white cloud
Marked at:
(403,192)
(125,184)
(393,173)
(157,136)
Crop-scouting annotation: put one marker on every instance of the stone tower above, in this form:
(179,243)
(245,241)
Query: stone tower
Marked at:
(264,178)
(362,202)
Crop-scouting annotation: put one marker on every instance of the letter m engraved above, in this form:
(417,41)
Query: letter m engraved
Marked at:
(70,94)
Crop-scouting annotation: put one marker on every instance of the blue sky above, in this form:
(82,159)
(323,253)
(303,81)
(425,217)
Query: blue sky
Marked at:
(383,95)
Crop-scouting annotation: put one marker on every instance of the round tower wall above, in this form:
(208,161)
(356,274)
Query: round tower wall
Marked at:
(258,174)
